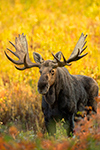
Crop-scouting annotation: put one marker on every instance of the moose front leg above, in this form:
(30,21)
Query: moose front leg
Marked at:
(50,126)
(69,124)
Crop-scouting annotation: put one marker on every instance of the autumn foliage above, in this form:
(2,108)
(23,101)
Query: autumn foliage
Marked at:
(50,26)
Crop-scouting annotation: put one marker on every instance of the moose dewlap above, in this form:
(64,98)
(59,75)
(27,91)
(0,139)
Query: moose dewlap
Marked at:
(63,94)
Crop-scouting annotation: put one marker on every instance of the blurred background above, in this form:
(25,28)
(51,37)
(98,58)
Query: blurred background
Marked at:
(50,26)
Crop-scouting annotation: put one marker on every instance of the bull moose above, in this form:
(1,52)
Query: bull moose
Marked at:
(63,94)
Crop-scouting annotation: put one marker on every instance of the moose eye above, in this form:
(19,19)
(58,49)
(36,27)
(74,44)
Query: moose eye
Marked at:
(52,72)
(40,72)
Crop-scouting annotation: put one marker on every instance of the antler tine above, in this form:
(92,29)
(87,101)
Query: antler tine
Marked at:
(63,58)
(12,60)
(12,44)
(26,65)
(21,53)
(85,36)
(60,63)
(79,57)
(65,62)
(83,49)
(13,52)
(55,58)
(23,68)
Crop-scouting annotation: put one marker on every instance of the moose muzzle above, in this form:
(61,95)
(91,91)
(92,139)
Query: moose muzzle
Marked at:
(43,85)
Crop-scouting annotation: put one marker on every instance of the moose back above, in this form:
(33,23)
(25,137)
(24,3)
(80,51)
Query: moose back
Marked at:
(63,94)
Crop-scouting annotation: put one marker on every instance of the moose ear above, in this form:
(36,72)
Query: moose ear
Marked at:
(38,58)
(58,55)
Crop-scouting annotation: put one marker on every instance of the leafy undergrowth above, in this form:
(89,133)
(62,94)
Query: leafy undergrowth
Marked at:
(50,26)
(86,136)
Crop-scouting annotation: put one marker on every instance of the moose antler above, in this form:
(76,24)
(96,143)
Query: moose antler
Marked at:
(76,54)
(21,53)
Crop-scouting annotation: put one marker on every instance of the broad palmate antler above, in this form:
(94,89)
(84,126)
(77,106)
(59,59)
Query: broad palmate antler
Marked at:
(21,53)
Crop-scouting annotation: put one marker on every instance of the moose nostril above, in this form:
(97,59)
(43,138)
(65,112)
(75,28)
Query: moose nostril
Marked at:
(46,77)
(42,85)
